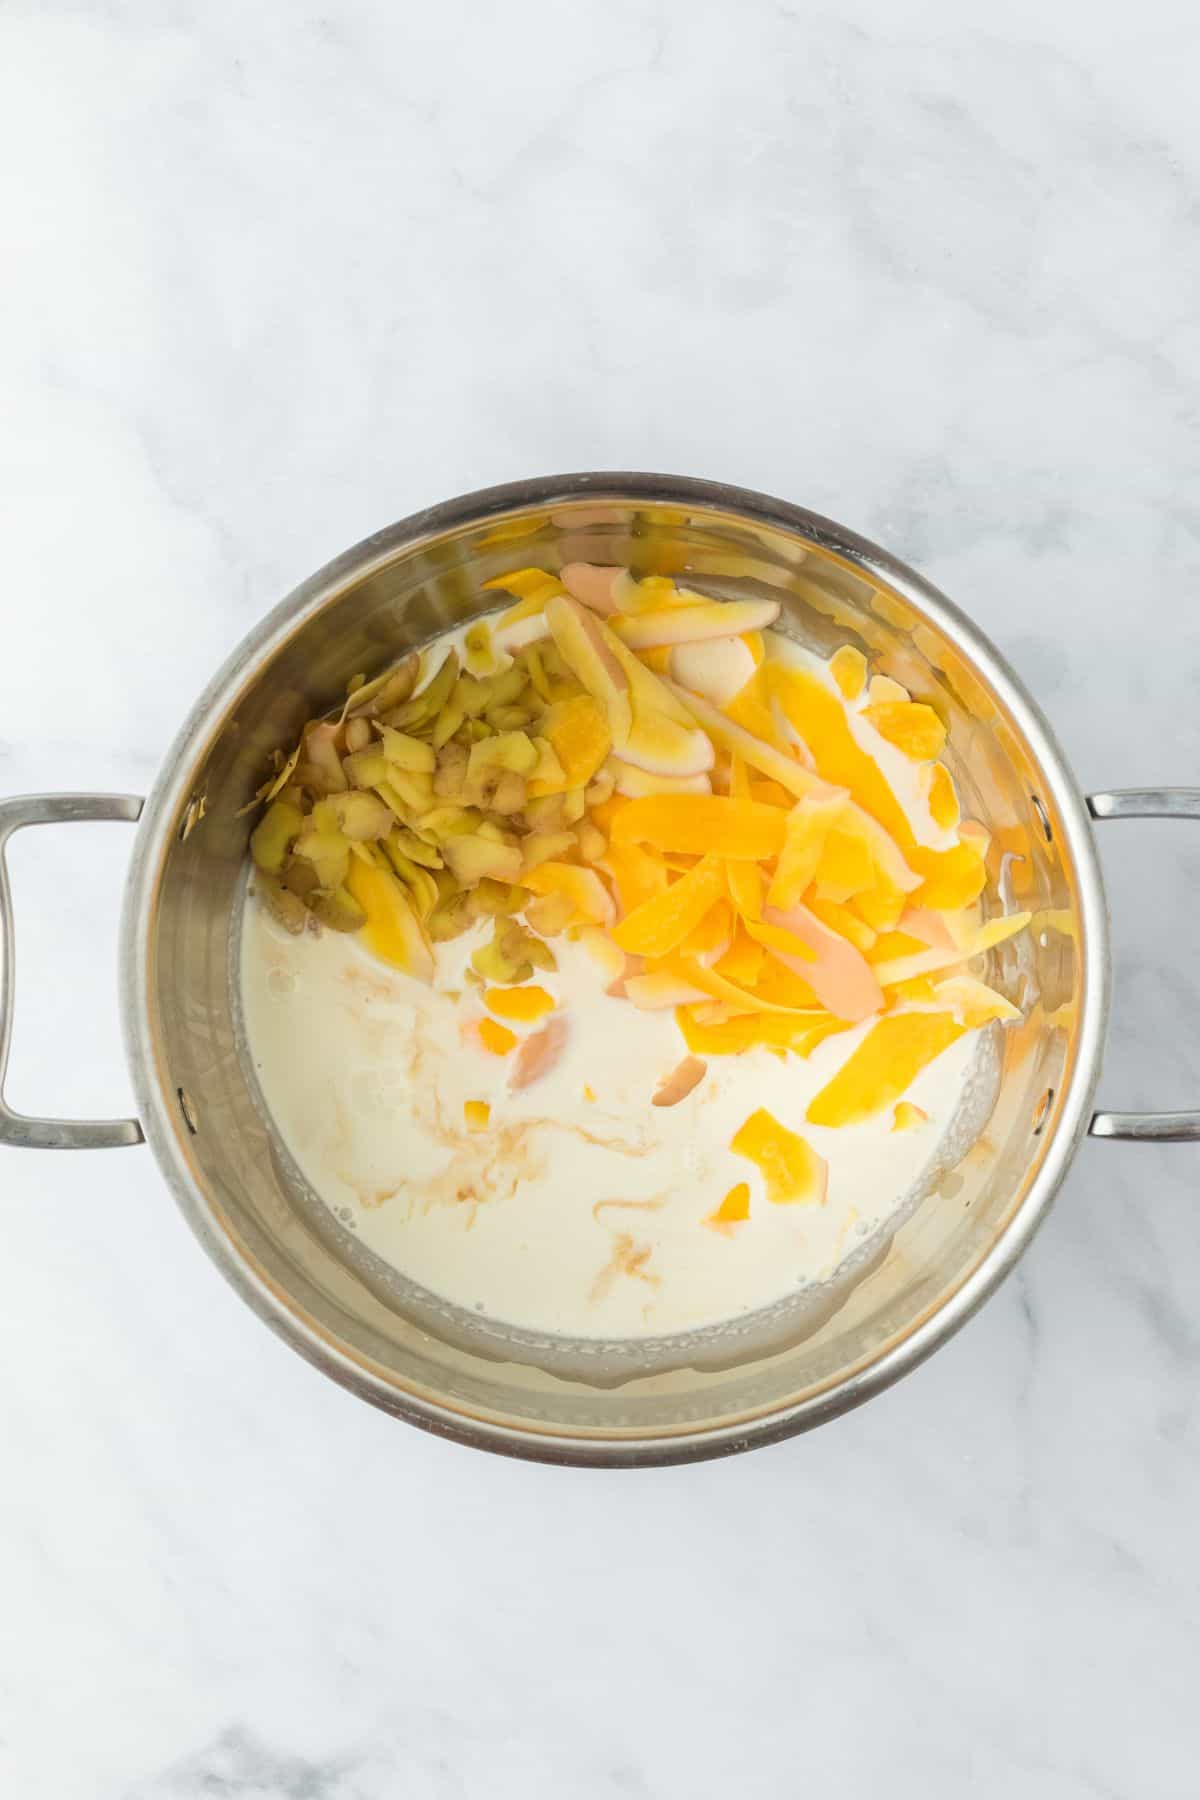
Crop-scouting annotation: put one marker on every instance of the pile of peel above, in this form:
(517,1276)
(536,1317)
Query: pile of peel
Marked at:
(769,846)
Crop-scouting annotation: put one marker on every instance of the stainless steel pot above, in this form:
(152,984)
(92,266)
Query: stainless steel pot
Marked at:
(233,1182)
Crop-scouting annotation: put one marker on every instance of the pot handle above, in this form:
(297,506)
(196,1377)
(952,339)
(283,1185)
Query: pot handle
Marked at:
(15,1127)
(1147,803)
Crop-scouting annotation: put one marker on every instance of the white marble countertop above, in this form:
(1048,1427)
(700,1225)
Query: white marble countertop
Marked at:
(275,275)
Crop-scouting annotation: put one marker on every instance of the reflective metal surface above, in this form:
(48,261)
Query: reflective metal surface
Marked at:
(396,590)
(1147,803)
(15,1127)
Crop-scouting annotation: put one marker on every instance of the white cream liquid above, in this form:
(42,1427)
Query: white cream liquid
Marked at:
(583,1218)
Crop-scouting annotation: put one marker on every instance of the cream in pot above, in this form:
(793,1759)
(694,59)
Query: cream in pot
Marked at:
(197,1097)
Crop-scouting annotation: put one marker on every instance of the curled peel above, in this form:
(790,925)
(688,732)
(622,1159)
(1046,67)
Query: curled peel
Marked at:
(746,887)
(973,1003)
(636,784)
(532,587)
(663,738)
(746,1031)
(274,835)
(583,887)
(820,718)
(392,932)
(793,1172)
(789,736)
(928,962)
(679,1083)
(636,874)
(751,710)
(888,1060)
(779,981)
(844,922)
(693,824)
(660,989)
(688,970)
(662,923)
(706,620)
(594,585)
(648,726)
(840,976)
(808,825)
(321,753)
(651,594)
(712,937)
(728,735)
(589,650)
(539,1054)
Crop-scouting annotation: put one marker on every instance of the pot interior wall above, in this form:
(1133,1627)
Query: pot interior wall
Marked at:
(401,598)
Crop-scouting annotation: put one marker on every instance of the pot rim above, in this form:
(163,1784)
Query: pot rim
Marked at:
(165,1129)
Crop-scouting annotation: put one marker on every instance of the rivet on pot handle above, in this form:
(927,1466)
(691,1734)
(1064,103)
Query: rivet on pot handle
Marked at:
(15,1127)
(1147,803)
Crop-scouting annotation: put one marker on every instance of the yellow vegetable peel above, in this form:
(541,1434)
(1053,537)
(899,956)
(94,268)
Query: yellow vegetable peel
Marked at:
(497,1039)
(659,925)
(793,1172)
(848,667)
(520,1005)
(808,826)
(878,1071)
(392,931)
(733,1210)
(697,823)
